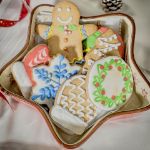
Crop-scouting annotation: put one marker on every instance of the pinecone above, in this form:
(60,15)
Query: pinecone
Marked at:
(112,5)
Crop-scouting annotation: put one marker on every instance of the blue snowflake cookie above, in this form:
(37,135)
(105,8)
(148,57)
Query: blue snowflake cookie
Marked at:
(48,79)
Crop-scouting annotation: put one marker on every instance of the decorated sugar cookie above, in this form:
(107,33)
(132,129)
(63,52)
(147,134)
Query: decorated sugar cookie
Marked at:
(105,39)
(65,35)
(37,55)
(48,79)
(90,59)
(44,17)
(73,110)
(21,77)
(109,83)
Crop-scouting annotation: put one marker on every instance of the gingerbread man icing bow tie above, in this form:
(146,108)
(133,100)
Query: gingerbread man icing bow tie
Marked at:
(67,28)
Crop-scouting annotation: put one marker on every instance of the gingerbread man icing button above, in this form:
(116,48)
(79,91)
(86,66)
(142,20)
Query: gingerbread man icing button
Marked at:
(65,35)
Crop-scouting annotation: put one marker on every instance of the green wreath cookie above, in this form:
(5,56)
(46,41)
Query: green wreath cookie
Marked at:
(110,83)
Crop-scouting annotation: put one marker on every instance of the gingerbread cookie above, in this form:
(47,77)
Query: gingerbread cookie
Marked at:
(48,79)
(21,77)
(108,41)
(90,59)
(44,17)
(109,83)
(73,110)
(36,56)
(65,35)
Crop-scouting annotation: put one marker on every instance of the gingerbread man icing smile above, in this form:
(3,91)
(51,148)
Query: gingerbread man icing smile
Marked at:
(65,35)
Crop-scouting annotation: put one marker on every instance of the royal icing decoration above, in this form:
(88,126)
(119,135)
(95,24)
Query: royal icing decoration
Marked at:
(48,79)
(21,77)
(73,98)
(44,16)
(38,55)
(72,102)
(106,40)
(90,59)
(110,83)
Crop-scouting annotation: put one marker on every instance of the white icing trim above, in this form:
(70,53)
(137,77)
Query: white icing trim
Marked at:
(68,20)
(22,79)
(38,58)
(59,9)
(68,9)
(66,120)
(60,98)
(90,62)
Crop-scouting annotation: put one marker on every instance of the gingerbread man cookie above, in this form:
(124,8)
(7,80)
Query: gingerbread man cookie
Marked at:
(65,35)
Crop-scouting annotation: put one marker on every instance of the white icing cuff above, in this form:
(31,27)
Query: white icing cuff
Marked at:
(21,77)
(66,120)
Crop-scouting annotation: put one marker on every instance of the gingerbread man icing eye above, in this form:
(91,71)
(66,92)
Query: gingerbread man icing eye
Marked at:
(68,9)
(59,9)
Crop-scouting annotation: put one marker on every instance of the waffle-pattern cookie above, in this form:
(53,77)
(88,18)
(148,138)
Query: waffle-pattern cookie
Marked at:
(72,98)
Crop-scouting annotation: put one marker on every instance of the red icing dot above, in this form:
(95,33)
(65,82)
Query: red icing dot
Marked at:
(124,97)
(103,76)
(103,92)
(119,68)
(125,79)
(113,97)
(97,84)
(116,60)
(123,90)
(101,67)
(110,67)
(103,102)
(127,67)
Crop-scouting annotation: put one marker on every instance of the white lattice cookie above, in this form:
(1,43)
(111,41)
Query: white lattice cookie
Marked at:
(109,83)
(108,41)
(48,79)
(65,35)
(90,59)
(72,109)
